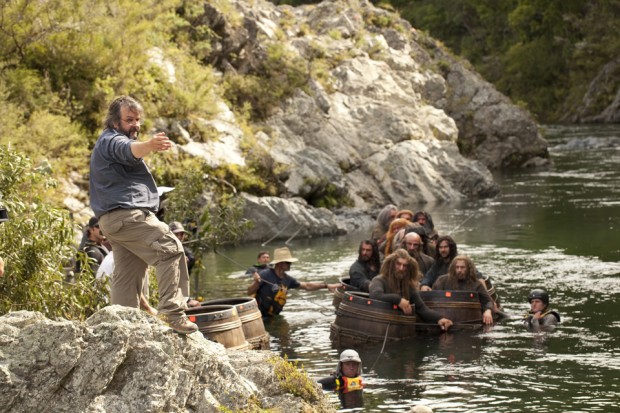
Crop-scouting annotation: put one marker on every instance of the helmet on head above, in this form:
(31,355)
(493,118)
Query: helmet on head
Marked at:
(349,355)
(540,294)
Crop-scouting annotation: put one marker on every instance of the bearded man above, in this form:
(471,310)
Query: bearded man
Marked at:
(462,276)
(444,254)
(366,267)
(124,197)
(397,284)
(413,244)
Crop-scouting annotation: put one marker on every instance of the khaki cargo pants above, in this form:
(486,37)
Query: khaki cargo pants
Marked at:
(138,240)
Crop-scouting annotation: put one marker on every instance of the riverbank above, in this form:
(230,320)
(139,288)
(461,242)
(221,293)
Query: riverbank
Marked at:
(123,360)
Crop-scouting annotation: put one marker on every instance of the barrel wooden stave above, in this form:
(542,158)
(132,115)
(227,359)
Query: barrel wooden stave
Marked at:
(251,320)
(220,323)
(364,320)
(458,306)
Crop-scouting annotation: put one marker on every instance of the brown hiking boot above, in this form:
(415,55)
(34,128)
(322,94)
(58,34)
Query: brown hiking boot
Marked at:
(183,326)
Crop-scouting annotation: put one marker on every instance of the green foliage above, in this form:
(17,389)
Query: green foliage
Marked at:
(541,53)
(322,193)
(294,379)
(219,219)
(36,243)
(281,73)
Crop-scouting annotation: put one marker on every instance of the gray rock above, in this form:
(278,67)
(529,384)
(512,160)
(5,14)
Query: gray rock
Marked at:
(280,218)
(123,360)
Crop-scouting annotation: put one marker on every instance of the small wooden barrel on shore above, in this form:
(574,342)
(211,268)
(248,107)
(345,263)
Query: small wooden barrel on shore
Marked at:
(360,320)
(458,306)
(251,320)
(339,293)
(220,323)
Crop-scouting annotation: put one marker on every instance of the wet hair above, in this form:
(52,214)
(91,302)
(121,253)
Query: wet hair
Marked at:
(385,216)
(451,245)
(471,271)
(398,222)
(113,118)
(409,282)
(429,219)
(375,259)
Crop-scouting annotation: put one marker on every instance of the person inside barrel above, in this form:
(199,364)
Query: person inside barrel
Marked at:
(366,267)
(347,380)
(397,284)
(384,219)
(462,276)
(445,252)
(271,285)
(540,317)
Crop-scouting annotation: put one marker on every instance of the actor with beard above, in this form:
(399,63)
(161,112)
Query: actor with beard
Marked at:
(124,197)
(366,267)
(397,284)
(444,254)
(462,276)
(413,244)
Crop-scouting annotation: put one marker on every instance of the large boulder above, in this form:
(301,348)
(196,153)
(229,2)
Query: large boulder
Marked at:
(123,360)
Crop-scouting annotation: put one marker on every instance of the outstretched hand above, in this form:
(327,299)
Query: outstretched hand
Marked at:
(160,142)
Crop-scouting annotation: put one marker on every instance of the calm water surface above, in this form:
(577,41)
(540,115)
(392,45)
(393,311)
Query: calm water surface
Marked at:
(558,228)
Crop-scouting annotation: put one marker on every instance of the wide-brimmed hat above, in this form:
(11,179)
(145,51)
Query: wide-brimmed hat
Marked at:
(282,255)
(177,227)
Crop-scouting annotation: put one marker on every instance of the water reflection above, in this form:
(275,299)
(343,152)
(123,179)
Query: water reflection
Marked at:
(558,229)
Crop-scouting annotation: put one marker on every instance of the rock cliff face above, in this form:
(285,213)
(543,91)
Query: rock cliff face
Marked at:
(122,360)
(384,124)
(387,115)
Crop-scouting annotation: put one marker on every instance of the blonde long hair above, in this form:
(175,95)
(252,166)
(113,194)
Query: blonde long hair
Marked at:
(407,284)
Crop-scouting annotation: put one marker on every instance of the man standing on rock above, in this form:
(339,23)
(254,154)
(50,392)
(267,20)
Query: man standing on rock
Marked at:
(124,197)
(271,285)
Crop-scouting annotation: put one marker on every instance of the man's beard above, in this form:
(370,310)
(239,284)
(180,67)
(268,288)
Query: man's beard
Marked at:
(131,133)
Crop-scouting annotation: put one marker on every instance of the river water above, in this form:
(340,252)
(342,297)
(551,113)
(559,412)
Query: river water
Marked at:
(558,228)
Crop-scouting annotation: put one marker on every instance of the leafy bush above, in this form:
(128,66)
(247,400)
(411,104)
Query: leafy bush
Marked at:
(36,243)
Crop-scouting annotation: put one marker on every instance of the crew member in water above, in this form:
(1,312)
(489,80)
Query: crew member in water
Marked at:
(540,317)
(347,380)
(271,285)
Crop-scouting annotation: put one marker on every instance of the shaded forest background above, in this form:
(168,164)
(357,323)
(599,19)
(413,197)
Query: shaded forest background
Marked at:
(543,54)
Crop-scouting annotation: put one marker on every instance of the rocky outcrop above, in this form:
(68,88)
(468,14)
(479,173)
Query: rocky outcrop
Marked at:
(384,124)
(601,102)
(123,360)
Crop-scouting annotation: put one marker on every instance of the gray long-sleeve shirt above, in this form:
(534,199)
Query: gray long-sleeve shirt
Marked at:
(379,291)
(117,178)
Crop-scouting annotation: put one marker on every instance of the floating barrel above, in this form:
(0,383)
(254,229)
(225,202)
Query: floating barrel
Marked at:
(488,283)
(219,323)
(360,320)
(458,306)
(345,285)
(251,320)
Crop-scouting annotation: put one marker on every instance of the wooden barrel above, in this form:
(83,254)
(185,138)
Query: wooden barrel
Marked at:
(251,320)
(219,323)
(458,306)
(360,320)
(345,283)
(488,283)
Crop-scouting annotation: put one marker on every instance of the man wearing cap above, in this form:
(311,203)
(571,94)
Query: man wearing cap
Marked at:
(271,285)
(178,230)
(124,197)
